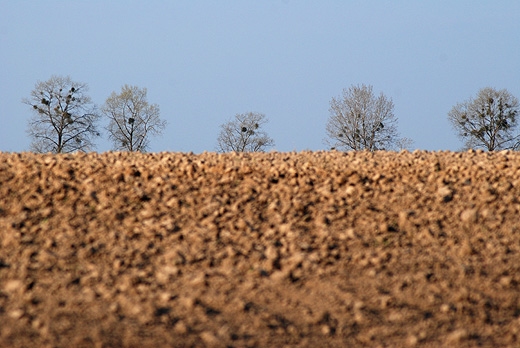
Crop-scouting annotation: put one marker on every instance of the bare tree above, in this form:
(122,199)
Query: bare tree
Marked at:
(488,121)
(64,116)
(361,121)
(404,143)
(244,134)
(132,119)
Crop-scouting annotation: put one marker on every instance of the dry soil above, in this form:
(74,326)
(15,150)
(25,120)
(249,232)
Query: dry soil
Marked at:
(260,250)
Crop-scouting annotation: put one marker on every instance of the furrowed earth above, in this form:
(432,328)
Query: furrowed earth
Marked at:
(309,249)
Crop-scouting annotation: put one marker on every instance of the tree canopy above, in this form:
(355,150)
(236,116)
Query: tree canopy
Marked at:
(64,118)
(244,134)
(488,121)
(132,120)
(360,120)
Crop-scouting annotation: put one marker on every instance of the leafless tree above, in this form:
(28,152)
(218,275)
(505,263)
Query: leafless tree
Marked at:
(64,116)
(404,143)
(489,121)
(361,121)
(244,134)
(132,119)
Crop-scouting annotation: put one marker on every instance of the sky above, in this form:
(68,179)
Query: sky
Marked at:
(203,61)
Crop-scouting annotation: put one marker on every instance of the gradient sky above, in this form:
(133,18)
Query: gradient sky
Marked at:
(203,61)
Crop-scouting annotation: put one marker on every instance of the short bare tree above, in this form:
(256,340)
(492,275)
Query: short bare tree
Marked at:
(359,120)
(489,121)
(404,144)
(64,116)
(132,120)
(244,134)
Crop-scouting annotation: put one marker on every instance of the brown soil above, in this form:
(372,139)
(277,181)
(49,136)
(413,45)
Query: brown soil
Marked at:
(255,250)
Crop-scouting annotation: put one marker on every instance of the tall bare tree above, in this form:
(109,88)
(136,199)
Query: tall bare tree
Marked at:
(244,134)
(361,121)
(489,121)
(132,119)
(64,117)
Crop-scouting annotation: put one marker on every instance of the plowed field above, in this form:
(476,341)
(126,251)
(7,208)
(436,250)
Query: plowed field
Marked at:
(309,249)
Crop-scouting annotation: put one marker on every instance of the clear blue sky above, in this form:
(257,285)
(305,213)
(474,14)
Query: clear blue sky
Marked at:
(203,61)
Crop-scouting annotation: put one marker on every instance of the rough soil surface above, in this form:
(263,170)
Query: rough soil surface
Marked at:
(308,249)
